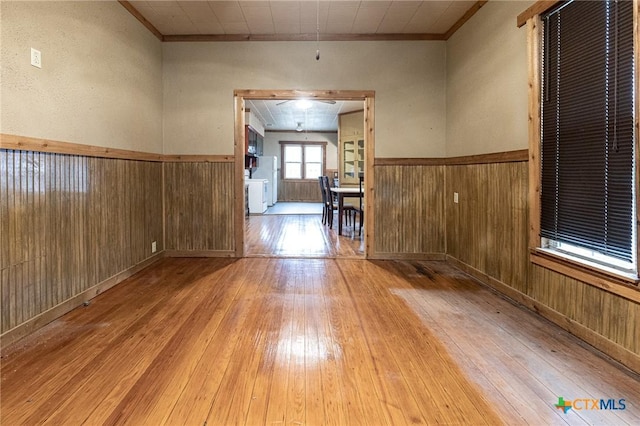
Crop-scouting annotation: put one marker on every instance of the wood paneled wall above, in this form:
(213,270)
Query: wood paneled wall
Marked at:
(487,236)
(289,190)
(199,205)
(70,222)
(488,226)
(409,211)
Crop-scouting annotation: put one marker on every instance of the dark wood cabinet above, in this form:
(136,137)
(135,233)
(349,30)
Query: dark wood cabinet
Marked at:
(253,144)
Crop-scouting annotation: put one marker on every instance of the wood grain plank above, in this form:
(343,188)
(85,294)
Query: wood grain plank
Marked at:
(534,27)
(5,241)
(16,142)
(167,316)
(194,403)
(373,342)
(199,206)
(411,205)
(70,224)
(228,403)
(151,398)
(489,158)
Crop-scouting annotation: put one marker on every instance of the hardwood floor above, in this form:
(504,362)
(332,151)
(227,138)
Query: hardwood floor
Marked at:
(305,341)
(300,236)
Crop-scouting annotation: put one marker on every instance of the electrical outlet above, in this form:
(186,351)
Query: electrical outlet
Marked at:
(455,197)
(36,58)
(154,247)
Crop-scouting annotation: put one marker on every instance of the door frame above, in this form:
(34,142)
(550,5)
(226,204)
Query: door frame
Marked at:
(368,98)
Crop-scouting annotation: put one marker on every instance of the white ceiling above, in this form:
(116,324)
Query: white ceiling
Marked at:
(288,17)
(285,115)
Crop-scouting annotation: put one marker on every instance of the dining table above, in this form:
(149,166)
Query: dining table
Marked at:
(341,192)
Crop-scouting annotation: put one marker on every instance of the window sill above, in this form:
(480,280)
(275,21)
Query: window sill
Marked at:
(623,286)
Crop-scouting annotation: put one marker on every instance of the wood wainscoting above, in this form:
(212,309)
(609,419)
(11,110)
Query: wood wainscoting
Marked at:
(488,226)
(295,190)
(487,237)
(409,211)
(71,225)
(78,219)
(199,206)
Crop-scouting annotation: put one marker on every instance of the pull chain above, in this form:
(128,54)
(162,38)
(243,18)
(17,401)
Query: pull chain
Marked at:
(317,30)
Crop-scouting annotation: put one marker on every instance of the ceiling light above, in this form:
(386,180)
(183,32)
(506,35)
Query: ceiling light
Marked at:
(299,128)
(303,104)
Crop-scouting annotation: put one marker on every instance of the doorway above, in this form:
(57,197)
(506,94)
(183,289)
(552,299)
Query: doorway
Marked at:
(240,96)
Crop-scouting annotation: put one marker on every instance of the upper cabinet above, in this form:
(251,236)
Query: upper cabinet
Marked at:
(253,140)
(351,147)
(251,120)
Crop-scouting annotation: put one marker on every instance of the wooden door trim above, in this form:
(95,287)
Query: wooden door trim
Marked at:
(368,98)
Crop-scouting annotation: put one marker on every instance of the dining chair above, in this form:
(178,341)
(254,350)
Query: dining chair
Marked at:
(331,204)
(361,208)
(325,207)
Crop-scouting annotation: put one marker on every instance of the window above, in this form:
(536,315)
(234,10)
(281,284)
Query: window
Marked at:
(587,116)
(303,160)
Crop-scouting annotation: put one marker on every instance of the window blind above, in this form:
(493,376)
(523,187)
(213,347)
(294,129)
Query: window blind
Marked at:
(587,131)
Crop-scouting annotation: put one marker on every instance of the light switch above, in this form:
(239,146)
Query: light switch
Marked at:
(455,197)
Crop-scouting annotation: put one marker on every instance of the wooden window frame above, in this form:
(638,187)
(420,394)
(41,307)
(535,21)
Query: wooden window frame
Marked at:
(283,144)
(624,287)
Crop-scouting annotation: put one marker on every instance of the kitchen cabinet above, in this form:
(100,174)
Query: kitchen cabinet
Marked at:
(253,143)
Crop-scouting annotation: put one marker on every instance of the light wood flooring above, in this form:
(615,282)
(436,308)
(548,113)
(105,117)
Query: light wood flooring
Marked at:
(301,235)
(305,341)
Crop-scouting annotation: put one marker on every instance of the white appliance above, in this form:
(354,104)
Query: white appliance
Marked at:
(257,195)
(268,169)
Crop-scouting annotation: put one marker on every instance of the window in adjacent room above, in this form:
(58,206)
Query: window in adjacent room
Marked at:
(303,160)
(587,155)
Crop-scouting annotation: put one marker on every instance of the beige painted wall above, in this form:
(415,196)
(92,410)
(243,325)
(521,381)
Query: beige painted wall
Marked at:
(105,82)
(487,82)
(408,78)
(101,79)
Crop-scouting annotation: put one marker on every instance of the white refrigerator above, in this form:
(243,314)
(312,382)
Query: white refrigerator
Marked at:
(268,169)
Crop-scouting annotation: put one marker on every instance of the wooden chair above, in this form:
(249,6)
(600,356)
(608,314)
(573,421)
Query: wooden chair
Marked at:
(331,204)
(361,209)
(325,206)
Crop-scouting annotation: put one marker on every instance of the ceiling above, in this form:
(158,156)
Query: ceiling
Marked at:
(299,20)
(279,115)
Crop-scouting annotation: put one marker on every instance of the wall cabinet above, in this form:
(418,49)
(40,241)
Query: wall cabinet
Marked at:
(253,144)
(352,150)
(351,147)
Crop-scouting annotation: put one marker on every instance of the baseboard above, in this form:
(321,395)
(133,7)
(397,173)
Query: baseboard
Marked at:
(39,321)
(406,256)
(199,253)
(618,353)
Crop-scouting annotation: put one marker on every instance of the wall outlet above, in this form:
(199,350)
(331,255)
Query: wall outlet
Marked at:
(154,247)
(455,197)
(36,58)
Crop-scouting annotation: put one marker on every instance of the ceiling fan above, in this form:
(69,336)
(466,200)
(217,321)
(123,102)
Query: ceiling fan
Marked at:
(306,103)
